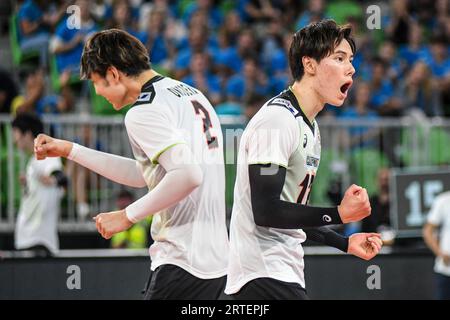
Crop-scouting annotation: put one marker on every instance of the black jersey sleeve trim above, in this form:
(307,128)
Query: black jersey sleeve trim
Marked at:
(270,211)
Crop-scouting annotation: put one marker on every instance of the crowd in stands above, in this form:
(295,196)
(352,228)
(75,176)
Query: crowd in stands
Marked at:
(237,51)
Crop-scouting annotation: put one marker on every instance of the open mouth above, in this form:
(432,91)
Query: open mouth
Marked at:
(346,86)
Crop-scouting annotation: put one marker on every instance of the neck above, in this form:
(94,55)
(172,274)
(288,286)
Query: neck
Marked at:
(135,85)
(308,98)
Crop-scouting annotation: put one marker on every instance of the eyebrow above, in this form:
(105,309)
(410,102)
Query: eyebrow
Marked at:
(345,53)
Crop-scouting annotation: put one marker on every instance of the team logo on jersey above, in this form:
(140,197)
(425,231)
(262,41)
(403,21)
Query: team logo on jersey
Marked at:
(326,218)
(144,96)
(312,162)
(284,103)
(305,140)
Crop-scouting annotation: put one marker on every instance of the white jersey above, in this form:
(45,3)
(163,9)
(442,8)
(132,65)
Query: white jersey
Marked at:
(192,234)
(278,134)
(40,207)
(440,216)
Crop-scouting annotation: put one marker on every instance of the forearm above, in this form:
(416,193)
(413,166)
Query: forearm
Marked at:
(182,176)
(174,187)
(287,215)
(431,240)
(270,211)
(328,237)
(118,169)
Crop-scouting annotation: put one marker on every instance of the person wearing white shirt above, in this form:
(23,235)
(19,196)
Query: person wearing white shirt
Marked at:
(439,243)
(176,139)
(37,220)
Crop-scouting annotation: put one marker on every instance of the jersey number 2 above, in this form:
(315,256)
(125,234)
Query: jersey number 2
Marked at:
(204,114)
(306,184)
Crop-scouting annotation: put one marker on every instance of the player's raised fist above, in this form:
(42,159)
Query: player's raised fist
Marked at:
(46,146)
(355,205)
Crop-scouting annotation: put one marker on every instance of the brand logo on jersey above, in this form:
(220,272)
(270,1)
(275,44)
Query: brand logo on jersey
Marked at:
(312,162)
(285,103)
(305,140)
(145,96)
(326,218)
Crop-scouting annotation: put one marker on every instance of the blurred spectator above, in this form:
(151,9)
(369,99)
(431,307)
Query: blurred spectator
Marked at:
(232,27)
(424,11)
(278,67)
(248,46)
(138,235)
(39,210)
(200,77)
(251,81)
(438,61)
(361,136)
(34,90)
(36,101)
(35,22)
(125,18)
(8,91)
(382,90)
(439,220)
(395,66)
(198,42)
(158,40)
(414,49)
(379,220)
(417,92)
(260,11)
(273,42)
(399,22)
(147,8)
(315,12)
(213,14)
(442,25)
(67,42)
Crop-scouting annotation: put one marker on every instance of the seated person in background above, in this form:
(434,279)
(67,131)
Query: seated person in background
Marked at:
(37,221)
(360,136)
(138,235)
(34,99)
(35,22)
(418,92)
(200,77)
(251,80)
(67,43)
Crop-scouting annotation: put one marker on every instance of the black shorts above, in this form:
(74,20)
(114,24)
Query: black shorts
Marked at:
(270,289)
(169,282)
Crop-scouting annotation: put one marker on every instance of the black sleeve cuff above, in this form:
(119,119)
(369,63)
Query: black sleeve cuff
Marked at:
(331,216)
(337,241)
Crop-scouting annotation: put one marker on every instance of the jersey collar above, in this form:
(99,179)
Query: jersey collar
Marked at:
(150,82)
(297,106)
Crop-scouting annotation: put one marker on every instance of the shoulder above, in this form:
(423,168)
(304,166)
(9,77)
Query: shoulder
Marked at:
(275,114)
(443,199)
(284,101)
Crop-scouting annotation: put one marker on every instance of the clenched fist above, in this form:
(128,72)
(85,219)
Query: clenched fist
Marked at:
(46,146)
(110,223)
(355,205)
(365,245)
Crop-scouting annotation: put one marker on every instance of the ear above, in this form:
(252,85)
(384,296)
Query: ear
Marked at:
(113,75)
(309,65)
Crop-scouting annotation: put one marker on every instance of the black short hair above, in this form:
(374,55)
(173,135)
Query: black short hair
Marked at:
(317,40)
(113,47)
(28,122)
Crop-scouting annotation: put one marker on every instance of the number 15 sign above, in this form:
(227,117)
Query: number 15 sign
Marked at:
(412,194)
